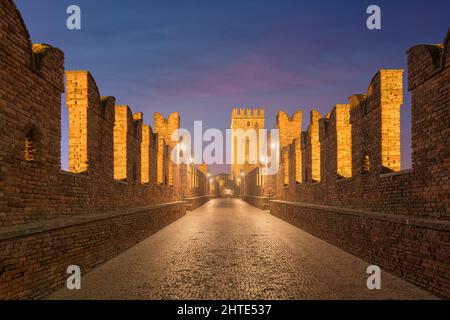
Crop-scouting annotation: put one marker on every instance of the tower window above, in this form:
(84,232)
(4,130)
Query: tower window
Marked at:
(365,166)
(31,145)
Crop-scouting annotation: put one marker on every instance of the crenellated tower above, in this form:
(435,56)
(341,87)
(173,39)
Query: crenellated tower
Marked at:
(244,150)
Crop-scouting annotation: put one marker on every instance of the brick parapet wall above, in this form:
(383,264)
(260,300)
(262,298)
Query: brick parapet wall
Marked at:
(396,219)
(364,135)
(105,141)
(429,83)
(96,210)
(31,88)
(193,203)
(35,257)
(260,202)
(414,249)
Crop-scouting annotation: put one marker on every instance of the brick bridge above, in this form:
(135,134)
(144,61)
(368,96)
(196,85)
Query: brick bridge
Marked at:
(338,203)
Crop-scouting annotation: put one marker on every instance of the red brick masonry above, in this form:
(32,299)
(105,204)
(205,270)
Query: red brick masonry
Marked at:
(414,248)
(344,184)
(121,186)
(34,257)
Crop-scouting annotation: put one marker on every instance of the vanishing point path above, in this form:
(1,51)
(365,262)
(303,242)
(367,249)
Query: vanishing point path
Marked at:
(228,249)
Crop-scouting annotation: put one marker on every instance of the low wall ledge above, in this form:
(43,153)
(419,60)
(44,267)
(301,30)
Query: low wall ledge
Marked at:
(75,175)
(120,182)
(68,221)
(251,196)
(199,197)
(443,225)
(396,173)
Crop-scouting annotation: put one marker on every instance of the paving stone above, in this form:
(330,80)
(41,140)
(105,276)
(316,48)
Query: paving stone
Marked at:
(228,249)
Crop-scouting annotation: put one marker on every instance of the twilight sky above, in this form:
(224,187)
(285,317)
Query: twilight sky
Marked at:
(202,58)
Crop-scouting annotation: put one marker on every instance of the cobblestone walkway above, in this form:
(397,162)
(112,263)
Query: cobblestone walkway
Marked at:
(228,249)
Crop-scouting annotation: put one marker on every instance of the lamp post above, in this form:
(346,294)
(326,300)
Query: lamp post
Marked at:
(243,182)
(240,184)
(189,173)
(264,162)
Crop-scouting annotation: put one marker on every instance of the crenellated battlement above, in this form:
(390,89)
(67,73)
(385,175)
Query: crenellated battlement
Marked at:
(82,93)
(324,125)
(131,122)
(386,87)
(108,105)
(47,61)
(425,61)
(112,168)
(241,113)
(113,154)
(165,126)
(290,127)
(244,119)
(335,136)
(367,129)
(358,144)
(350,159)
(347,159)
(312,132)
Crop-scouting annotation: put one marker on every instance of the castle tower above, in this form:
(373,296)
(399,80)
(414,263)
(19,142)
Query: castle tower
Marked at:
(244,142)
(290,129)
(164,128)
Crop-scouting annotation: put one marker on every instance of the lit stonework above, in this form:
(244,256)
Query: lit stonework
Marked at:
(340,180)
(164,128)
(245,119)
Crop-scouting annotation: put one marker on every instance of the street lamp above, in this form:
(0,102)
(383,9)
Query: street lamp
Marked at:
(264,163)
